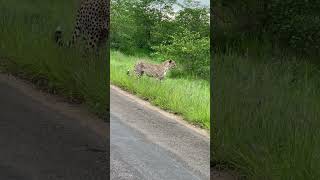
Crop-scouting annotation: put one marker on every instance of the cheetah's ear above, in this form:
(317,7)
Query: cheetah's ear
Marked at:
(170,61)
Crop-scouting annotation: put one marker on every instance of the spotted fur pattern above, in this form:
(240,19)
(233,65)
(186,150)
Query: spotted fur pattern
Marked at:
(153,70)
(92,24)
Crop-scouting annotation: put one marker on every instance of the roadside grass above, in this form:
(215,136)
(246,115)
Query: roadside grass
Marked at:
(27,50)
(186,97)
(266,117)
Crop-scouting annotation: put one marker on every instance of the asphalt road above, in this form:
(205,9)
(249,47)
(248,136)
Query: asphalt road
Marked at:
(146,144)
(41,139)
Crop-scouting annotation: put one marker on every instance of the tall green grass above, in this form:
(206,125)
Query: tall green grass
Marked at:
(27,46)
(187,97)
(266,117)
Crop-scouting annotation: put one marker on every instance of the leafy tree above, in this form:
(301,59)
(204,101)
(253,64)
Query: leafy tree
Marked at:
(292,24)
(154,26)
(190,50)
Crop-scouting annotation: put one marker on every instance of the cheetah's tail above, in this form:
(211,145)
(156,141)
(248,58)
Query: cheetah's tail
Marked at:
(58,36)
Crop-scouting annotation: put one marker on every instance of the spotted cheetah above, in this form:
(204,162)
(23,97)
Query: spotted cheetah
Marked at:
(153,70)
(92,24)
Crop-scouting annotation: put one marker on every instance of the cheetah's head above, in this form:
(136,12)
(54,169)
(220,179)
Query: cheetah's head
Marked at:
(170,64)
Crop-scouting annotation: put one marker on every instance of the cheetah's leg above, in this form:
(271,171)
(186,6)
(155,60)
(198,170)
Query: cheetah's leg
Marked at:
(91,44)
(102,39)
(58,36)
(139,74)
(160,78)
(75,36)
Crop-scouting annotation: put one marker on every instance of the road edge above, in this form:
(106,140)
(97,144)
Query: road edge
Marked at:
(169,115)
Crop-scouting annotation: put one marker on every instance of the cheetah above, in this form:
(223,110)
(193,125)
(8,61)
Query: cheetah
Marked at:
(92,25)
(153,70)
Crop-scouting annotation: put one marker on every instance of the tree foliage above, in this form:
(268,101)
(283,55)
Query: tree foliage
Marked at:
(156,27)
(190,49)
(293,24)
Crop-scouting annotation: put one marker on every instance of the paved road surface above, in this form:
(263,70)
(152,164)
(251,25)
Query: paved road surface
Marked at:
(147,145)
(40,142)
(42,139)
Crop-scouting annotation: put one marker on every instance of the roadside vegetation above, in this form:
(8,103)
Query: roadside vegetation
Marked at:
(186,97)
(266,108)
(159,30)
(27,49)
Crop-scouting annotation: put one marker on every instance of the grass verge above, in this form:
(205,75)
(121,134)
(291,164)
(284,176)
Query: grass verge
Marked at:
(186,97)
(27,49)
(267,117)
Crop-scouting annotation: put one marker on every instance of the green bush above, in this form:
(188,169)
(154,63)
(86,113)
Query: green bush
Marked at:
(297,24)
(190,50)
(294,25)
(151,26)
